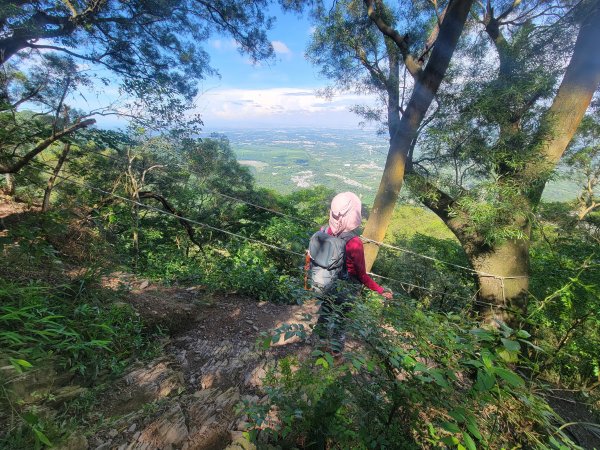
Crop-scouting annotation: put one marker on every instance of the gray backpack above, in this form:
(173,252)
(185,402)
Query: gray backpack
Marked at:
(328,259)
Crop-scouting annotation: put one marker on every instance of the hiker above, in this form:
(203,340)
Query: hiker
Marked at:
(336,252)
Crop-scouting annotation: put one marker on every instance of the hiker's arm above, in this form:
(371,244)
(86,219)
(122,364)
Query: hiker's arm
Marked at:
(355,255)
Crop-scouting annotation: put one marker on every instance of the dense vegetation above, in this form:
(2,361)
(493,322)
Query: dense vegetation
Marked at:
(426,370)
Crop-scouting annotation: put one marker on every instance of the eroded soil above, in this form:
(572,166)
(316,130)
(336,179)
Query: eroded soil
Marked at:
(211,365)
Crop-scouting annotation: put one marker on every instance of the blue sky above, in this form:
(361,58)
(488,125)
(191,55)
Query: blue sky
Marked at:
(279,93)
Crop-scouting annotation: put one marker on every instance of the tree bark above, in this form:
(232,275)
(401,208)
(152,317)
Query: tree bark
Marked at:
(52,180)
(184,223)
(9,178)
(581,80)
(426,86)
(502,296)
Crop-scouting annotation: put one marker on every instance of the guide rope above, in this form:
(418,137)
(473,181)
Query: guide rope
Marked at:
(364,239)
(167,213)
(441,293)
(431,258)
(257,241)
(214,192)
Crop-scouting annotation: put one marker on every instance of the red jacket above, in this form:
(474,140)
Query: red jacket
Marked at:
(355,263)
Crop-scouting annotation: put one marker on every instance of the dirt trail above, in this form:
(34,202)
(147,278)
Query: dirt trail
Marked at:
(188,398)
(211,365)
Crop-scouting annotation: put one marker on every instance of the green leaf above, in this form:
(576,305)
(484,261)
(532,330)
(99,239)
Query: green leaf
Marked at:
(482,335)
(21,362)
(506,356)
(288,335)
(450,441)
(329,359)
(42,437)
(469,442)
(510,345)
(457,415)
(510,377)
(420,367)
(439,378)
(322,362)
(432,432)
(473,362)
(356,363)
(451,427)
(523,334)
(486,357)
(485,381)
(409,361)
(535,347)
(472,427)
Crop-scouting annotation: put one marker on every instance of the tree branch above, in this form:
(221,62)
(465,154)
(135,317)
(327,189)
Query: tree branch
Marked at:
(14,168)
(166,205)
(413,66)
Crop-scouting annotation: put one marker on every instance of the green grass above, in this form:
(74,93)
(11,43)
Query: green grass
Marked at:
(408,221)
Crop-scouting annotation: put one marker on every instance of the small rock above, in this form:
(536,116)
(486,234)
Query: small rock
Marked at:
(254,327)
(76,442)
(144,284)
(132,428)
(113,433)
(243,426)
(137,435)
(249,322)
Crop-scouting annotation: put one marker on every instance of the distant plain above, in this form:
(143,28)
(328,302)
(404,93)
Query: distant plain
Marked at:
(350,159)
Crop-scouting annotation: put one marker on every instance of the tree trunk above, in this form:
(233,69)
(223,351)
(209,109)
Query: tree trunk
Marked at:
(9,178)
(426,86)
(52,180)
(575,93)
(503,295)
(135,238)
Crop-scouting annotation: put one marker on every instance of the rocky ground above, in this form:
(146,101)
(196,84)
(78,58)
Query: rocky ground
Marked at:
(188,398)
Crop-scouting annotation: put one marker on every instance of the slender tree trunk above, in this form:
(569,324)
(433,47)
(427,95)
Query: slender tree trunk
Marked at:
(426,86)
(52,180)
(503,295)
(9,178)
(575,93)
(135,218)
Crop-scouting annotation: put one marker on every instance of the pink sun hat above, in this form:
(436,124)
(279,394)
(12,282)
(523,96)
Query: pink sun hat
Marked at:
(345,214)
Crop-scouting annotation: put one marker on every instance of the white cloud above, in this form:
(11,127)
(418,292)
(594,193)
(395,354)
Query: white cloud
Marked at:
(228,44)
(280,48)
(277,106)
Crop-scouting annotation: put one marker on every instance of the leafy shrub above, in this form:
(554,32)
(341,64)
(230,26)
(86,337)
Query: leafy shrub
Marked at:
(412,379)
(82,334)
(563,311)
(71,327)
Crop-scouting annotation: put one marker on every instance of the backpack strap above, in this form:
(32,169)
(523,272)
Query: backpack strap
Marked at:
(346,237)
